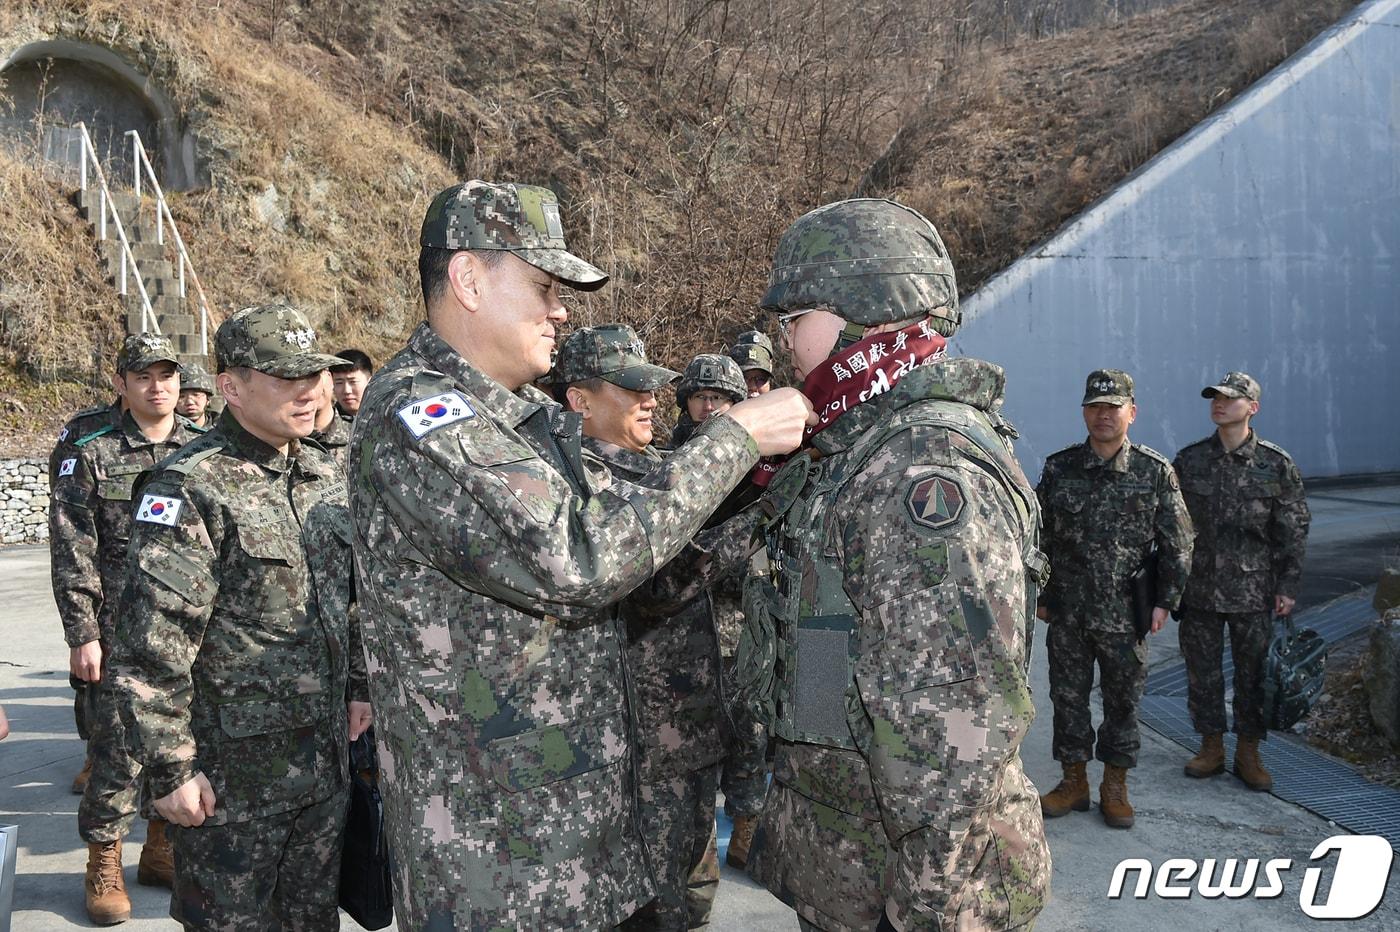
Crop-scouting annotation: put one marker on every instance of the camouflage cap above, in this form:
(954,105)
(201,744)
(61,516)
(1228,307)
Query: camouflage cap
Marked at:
(712,371)
(271,338)
(1108,387)
(519,218)
(142,350)
(1234,385)
(613,353)
(196,378)
(753,350)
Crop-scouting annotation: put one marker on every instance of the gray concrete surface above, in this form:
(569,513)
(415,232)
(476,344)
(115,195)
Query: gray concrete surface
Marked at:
(1354,528)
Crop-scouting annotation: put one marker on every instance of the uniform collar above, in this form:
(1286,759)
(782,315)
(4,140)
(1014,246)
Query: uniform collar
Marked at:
(512,407)
(621,457)
(1244,450)
(1116,463)
(135,439)
(245,446)
(337,432)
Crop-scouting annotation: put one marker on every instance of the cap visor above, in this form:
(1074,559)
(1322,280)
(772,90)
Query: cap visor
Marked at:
(642,378)
(145,362)
(565,266)
(299,366)
(1117,401)
(1225,390)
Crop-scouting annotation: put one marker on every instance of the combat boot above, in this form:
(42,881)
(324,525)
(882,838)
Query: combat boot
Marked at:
(1070,794)
(107,902)
(1113,797)
(1210,759)
(157,865)
(740,840)
(80,781)
(1249,768)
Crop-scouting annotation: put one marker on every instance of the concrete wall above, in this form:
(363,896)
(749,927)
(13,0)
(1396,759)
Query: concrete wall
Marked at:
(1267,240)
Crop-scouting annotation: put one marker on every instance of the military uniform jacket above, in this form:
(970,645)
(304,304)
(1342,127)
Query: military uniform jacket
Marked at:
(1100,518)
(902,614)
(92,478)
(231,654)
(673,649)
(491,550)
(1251,519)
(335,439)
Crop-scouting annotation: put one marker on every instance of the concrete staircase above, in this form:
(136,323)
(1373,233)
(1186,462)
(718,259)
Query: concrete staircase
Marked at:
(177,317)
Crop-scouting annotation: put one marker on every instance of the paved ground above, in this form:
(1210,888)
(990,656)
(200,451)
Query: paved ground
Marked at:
(1353,529)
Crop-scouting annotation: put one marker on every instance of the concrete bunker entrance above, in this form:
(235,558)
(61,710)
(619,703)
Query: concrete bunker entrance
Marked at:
(54,84)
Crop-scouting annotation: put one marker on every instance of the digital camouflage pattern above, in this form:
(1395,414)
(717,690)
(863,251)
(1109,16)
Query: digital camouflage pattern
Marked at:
(711,372)
(194,377)
(490,553)
(519,218)
(753,350)
(93,474)
(1109,387)
(870,261)
(612,352)
(237,877)
(1101,516)
(233,650)
(1251,521)
(271,338)
(335,439)
(140,351)
(682,732)
(897,635)
(1234,385)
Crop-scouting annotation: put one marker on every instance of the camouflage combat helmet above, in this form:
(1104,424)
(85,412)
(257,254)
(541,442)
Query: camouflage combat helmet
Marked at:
(869,261)
(711,371)
(195,378)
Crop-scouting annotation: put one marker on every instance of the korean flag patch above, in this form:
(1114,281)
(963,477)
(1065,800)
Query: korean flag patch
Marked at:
(421,417)
(158,509)
(65,468)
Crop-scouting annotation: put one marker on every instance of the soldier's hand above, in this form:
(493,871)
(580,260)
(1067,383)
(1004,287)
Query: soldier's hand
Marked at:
(1159,618)
(1042,613)
(190,804)
(775,420)
(4,724)
(85,661)
(360,718)
(1283,605)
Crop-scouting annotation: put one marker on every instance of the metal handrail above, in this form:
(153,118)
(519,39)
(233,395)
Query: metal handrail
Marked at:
(89,154)
(163,216)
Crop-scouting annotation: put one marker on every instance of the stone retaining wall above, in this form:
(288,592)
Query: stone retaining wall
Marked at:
(24,501)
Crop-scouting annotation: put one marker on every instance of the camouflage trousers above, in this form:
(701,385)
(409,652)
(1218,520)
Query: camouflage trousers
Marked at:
(1122,662)
(1202,637)
(113,794)
(278,872)
(678,823)
(744,779)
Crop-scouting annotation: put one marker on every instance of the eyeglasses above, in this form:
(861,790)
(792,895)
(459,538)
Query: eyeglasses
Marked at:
(785,320)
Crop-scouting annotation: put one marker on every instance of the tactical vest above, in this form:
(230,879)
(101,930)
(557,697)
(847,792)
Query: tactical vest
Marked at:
(806,638)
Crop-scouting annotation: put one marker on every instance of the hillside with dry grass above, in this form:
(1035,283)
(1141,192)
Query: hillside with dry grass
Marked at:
(681,135)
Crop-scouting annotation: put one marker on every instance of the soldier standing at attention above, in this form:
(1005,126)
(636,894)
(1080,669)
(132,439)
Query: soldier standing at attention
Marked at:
(673,649)
(1104,502)
(237,686)
(491,551)
(350,381)
(332,431)
(901,609)
(753,351)
(196,388)
(90,512)
(1251,516)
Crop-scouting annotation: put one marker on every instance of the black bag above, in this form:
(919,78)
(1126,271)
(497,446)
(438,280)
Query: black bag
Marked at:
(366,890)
(1294,673)
(1143,582)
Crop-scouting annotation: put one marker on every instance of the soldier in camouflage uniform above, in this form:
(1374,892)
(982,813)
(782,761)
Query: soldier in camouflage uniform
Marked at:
(673,648)
(710,385)
(491,550)
(1251,516)
(82,424)
(891,647)
(332,432)
(239,683)
(753,351)
(90,508)
(196,388)
(1105,501)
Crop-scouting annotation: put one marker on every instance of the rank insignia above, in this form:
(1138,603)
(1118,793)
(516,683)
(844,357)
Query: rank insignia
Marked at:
(935,502)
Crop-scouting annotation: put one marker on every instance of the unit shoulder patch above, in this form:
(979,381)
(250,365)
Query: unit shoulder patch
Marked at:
(935,502)
(428,414)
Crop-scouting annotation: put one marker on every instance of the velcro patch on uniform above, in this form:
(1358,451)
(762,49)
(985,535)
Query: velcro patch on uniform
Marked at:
(422,417)
(936,502)
(65,468)
(157,509)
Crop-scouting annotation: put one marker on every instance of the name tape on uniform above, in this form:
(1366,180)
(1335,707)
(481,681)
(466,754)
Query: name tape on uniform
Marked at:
(65,468)
(424,416)
(158,509)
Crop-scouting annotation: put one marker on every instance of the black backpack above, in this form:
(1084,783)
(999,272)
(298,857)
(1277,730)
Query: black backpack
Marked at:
(366,891)
(1294,672)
